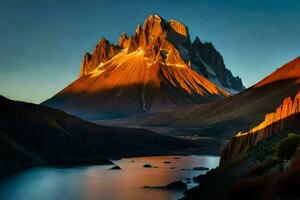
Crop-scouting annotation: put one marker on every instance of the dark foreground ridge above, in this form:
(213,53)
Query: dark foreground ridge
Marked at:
(33,135)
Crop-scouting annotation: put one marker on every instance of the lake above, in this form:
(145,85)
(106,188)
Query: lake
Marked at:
(97,182)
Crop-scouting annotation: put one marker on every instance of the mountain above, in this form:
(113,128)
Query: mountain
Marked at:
(224,118)
(32,134)
(157,68)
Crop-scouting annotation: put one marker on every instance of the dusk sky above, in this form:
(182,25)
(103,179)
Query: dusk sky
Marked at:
(42,43)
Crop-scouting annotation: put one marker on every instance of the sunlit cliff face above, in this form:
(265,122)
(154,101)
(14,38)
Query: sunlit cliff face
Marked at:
(284,116)
(289,107)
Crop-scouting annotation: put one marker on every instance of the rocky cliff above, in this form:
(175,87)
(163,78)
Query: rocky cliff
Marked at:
(287,113)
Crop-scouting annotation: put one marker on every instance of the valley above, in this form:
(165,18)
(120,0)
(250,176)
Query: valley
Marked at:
(155,112)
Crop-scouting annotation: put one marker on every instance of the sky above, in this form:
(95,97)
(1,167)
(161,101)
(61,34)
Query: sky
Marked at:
(42,43)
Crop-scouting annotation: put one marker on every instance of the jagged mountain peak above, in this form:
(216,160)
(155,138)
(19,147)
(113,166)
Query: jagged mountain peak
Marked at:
(103,52)
(197,42)
(123,40)
(138,29)
(160,23)
(154,20)
(170,39)
(103,41)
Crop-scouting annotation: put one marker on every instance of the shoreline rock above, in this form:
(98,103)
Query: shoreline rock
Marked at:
(200,168)
(115,168)
(177,185)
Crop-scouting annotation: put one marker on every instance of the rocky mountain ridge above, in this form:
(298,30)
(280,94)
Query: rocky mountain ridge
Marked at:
(151,71)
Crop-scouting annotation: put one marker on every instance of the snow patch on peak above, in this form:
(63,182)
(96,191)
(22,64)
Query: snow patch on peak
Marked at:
(173,65)
(213,76)
(97,71)
(208,68)
(117,60)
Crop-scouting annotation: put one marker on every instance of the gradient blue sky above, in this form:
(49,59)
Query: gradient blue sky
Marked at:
(42,42)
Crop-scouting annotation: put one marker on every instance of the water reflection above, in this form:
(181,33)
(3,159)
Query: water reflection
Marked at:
(96,182)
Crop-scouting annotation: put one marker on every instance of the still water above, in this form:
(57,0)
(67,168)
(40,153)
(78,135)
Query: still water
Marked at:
(99,183)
